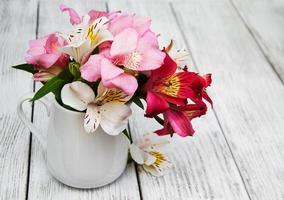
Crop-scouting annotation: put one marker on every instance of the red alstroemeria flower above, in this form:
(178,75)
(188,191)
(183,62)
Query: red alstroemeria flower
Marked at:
(178,119)
(199,85)
(165,86)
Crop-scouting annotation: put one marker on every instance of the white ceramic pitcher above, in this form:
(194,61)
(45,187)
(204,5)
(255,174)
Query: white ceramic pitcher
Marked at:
(74,157)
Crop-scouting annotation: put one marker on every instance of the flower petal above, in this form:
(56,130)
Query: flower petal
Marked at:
(98,32)
(194,110)
(179,122)
(113,128)
(109,70)
(120,46)
(167,69)
(124,81)
(152,170)
(116,112)
(161,164)
(74,17)
(150,160)
(91,70)
(44,60)
(153,141)
(141,24)
(155,104)
(92,118)
(95,14)
(166,130)
(173,100)
(119,23)
(136,154)
(153,57)
(77,51)
(77,95)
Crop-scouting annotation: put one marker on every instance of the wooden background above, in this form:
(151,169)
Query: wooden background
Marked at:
(238,150)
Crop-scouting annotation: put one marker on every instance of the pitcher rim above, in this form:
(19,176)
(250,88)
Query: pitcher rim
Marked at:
(55,102)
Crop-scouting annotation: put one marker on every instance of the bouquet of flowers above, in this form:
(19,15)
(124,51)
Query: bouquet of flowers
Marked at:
(110,59)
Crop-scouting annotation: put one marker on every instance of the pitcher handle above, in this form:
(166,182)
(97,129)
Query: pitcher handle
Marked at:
(34,130)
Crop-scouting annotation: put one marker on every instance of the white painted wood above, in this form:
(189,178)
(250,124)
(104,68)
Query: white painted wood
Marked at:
(266,21)
(14,137)
(42,185)
(204,167)
(247,93)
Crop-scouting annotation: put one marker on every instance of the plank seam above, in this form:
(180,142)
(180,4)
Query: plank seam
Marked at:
(256,41)
(215,114)
(135,166)
(32,114)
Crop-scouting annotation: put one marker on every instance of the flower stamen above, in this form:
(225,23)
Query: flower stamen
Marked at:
(133,60)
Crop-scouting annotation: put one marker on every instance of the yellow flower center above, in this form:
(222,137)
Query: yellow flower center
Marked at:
(170,86)
(160,158)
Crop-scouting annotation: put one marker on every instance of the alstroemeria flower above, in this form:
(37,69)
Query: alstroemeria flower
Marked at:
(123,59)
(108,109)
(44,52)
(165,86)
(178,119)
(149,154)
(47,74)
(75,19)
(85,38)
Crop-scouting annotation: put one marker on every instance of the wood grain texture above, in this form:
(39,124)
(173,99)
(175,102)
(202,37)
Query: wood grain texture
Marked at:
(265,19)
(42,185)
(14,137)
(248,95)
(204,167)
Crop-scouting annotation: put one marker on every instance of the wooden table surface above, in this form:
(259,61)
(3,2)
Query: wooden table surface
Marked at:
(238,150)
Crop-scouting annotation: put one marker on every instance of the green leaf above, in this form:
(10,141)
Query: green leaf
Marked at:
(50,86)
(25,67)
(66,75)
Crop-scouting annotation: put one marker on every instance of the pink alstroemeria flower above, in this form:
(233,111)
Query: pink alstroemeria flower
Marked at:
(75,18)
(123,59)
(43,52)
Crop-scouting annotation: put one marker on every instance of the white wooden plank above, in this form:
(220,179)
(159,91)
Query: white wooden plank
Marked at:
(266,21)
(248,95)
(204,167)
(14,137)
(42,185)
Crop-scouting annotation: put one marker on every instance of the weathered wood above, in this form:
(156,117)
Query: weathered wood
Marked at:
(42,185)
(265,19)
(204,167)
(14,137)
(248,95)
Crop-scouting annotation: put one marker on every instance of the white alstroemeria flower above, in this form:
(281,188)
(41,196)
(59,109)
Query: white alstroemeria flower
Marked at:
(107,109)
(149,154)
(179,55)
(86,37)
